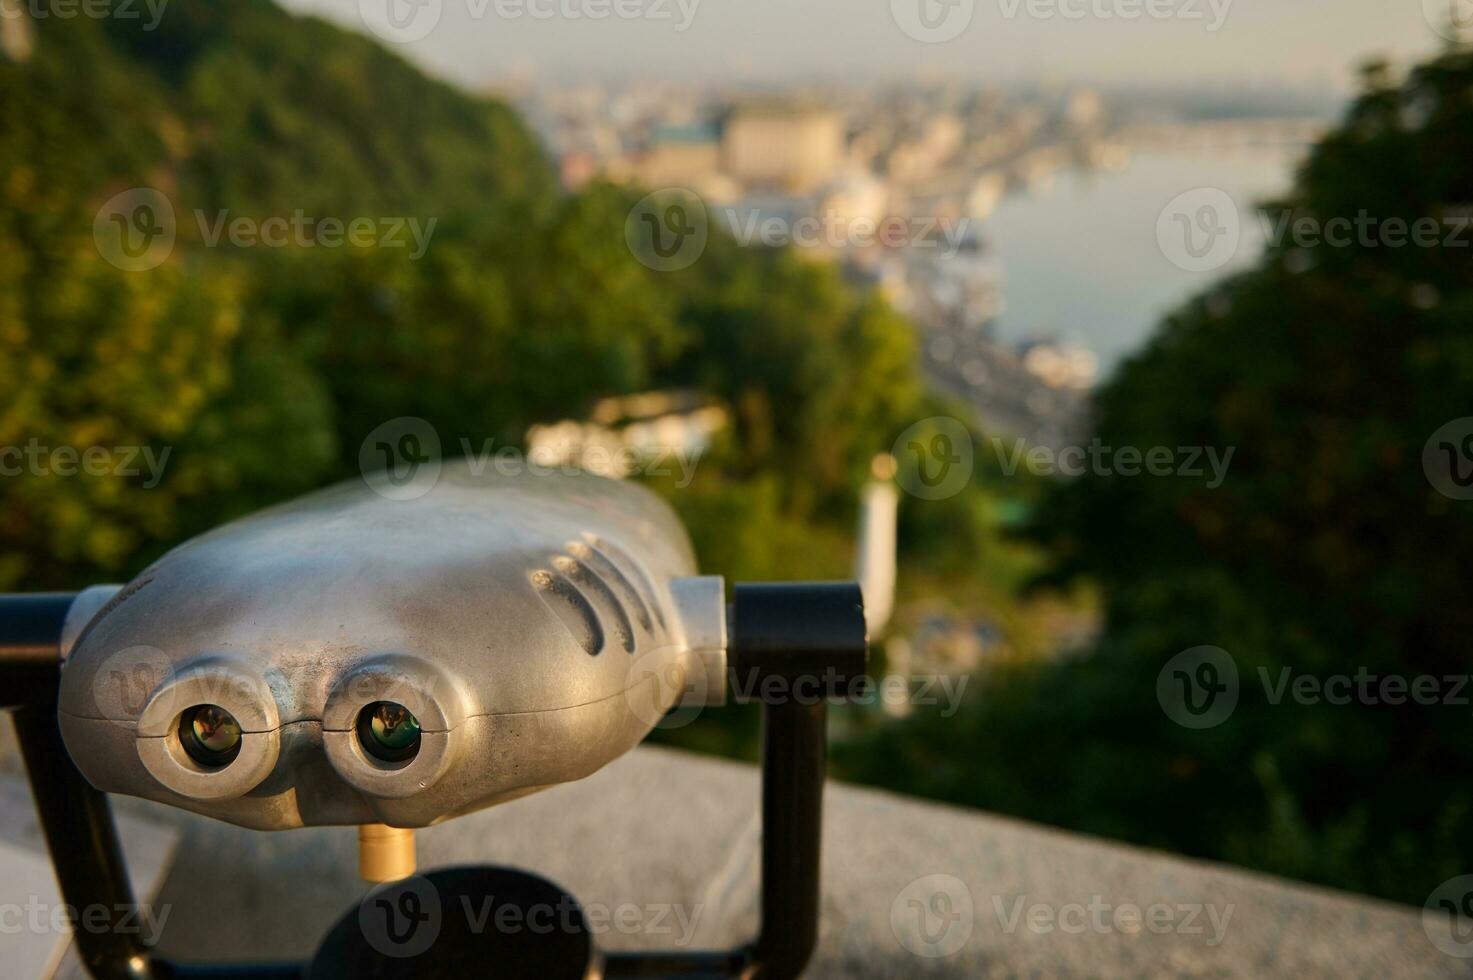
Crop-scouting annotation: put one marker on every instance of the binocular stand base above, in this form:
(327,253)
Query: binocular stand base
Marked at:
(460,922)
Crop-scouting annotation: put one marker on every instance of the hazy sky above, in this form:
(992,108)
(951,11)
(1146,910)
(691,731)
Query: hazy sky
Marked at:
(1254,42)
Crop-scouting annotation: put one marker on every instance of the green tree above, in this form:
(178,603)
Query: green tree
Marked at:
(1326,550)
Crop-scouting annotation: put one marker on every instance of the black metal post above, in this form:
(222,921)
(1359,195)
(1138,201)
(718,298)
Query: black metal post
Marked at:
(75,817)
(794,755)
(795,639)
(794,759)
(793,646)
(796,645)
(30,647)
(84,851)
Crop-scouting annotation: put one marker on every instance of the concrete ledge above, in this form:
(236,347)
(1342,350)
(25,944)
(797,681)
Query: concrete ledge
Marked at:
(662,845)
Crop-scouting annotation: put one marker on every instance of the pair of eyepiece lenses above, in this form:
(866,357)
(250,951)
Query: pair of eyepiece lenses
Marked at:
(211,736)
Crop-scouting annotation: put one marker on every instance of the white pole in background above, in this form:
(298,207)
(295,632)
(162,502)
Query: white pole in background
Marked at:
(874,559)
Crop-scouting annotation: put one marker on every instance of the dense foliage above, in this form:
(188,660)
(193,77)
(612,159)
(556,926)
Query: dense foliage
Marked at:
(261,369)
(1326,551)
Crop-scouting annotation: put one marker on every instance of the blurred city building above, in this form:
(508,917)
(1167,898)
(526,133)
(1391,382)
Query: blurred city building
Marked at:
(17,34)
(780,145)
(680,155)
(624,434)
(821,168)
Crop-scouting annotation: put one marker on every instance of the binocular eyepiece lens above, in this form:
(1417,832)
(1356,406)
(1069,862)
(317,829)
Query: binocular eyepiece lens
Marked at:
(388,731)
(210,735)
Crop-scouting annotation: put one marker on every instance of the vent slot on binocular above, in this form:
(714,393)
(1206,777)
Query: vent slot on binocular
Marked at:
(571,608)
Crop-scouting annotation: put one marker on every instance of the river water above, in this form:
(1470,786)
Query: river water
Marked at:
(1079,257)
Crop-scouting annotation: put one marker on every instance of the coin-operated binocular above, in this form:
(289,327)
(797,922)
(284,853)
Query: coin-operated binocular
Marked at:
(360,659)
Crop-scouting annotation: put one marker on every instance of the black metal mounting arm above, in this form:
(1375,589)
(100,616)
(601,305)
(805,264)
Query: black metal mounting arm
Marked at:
(75,817)
(787,643)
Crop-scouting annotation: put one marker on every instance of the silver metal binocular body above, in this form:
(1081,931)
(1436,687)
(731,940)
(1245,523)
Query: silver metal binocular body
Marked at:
(535,627)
